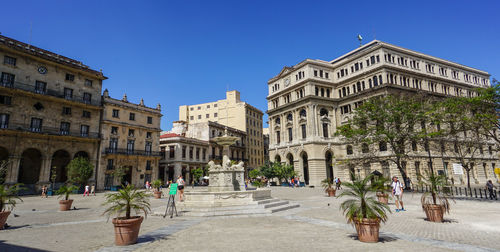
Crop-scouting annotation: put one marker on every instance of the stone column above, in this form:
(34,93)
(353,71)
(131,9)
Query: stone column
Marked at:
(177,171)
(44,177)
(188,177)
(13,169)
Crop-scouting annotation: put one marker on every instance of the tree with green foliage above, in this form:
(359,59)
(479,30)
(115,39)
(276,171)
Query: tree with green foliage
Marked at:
(386,122)
(119,172)
(125,201)
(197,174)
(253,174)
(80,170)
(486,106)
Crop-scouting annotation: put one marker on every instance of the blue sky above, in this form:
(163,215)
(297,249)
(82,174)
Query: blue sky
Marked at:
(188,52)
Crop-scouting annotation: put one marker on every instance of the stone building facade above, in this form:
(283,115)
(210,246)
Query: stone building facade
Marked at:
(49,112)
(308,101)
(130,137)
(236,114)
(191,146)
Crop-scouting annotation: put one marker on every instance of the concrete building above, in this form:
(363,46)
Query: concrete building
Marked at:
(49,112)
(191,146)
(236,114)
(130,138)
(308,101)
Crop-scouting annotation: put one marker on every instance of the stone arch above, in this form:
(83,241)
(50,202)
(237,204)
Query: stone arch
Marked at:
(277,158)
(60,159)
(289,158)
(305,167)
(329,165)
(83,154)
(30,166)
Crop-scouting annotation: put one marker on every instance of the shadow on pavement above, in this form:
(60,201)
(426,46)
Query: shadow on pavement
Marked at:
(15,227)
(382,238)
(10,247)
(445,220)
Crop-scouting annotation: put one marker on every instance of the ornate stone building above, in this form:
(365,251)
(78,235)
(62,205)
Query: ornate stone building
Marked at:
(191,146)
(130,139)
(236,114)
(308,101)
(49,112)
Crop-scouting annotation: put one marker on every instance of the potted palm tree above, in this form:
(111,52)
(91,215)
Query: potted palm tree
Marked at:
(125,201)
(362,209)
(328,186)
(156,184)
(435,202)
(379,184)
(8,200)
(64,192)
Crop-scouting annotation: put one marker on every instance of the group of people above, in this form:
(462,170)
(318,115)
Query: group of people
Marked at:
(88,190)
(338,183)
(295,182)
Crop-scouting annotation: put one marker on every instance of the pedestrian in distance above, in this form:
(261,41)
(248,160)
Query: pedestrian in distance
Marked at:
(180,187)
(44,191)
(87,191)
(92,189)
(490,186)
(397,193)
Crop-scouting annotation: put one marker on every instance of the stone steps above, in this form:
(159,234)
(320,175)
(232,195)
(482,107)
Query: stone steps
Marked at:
(262,207)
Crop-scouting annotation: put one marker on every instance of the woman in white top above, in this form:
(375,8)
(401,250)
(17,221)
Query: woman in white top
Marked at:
(180,187)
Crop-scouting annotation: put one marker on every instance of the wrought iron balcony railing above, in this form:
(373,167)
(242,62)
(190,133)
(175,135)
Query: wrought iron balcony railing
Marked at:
(131,152)
(48,130)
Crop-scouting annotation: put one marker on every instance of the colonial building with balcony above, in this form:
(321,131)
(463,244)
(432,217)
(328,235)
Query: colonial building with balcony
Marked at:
(130,137)
(308,101)
(190,146)
(50,109)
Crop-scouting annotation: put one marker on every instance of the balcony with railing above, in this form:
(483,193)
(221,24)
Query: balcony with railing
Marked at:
(32,88)
(48,130)
(121,151)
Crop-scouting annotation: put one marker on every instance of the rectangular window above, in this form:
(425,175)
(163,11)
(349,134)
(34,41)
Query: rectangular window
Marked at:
(131,132)
(88,83)
(36,124)
(40,87)
(191,152)
(184,152)
(113,144)
(132,117)
(303,126)
(215,105)
(148,148)
(325,129)
(110,165)
(70,77)
(4,121)
(68,93)
(64,130)
(87,98)
(207,116)
(116,113)
(171,151)
(86,114)
(215,114)
(7,80)
(84,130)
(150,120)
(130,146)
(199,116)
(66,111)
(148,165)
(9,60)
(290,135)
(204,154)
(197,153)
(114,130)
(148,134)
(278,137)
(6,100)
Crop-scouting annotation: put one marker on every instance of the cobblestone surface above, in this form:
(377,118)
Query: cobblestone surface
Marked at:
(318,225)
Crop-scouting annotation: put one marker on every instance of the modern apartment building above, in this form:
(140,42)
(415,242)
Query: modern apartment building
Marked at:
(50,109)
(130,139)
(191,146)
(308,101)
(234,113)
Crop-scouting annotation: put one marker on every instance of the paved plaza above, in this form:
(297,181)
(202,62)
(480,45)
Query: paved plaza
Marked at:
(317,225)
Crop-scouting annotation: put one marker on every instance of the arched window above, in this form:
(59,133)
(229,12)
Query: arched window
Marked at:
(380,79)
(322,92)
(277,120)
(375,81)
(303,113)
(323,112)
(289,117)
(328,93)
(349,149)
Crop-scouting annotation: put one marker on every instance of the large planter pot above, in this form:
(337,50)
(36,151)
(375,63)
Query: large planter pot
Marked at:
(331,192)
(65,205)
(367,229)
(127,230)
(434,212)
(3,218)
(383,198)
(157,194)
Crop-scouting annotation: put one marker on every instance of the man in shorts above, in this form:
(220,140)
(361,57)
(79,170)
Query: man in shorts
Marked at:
(397,193)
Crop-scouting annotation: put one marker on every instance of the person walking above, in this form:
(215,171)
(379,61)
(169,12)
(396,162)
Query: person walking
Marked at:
(397,193)
(92,189)
(87,191)
(490,186)
(180,187)
(44,191)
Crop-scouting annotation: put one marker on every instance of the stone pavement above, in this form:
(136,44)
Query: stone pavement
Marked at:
(318,225)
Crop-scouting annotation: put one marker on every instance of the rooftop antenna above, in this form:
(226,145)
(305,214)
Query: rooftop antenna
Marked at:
(360,40)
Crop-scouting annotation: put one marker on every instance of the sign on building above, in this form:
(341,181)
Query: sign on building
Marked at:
(458,169)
